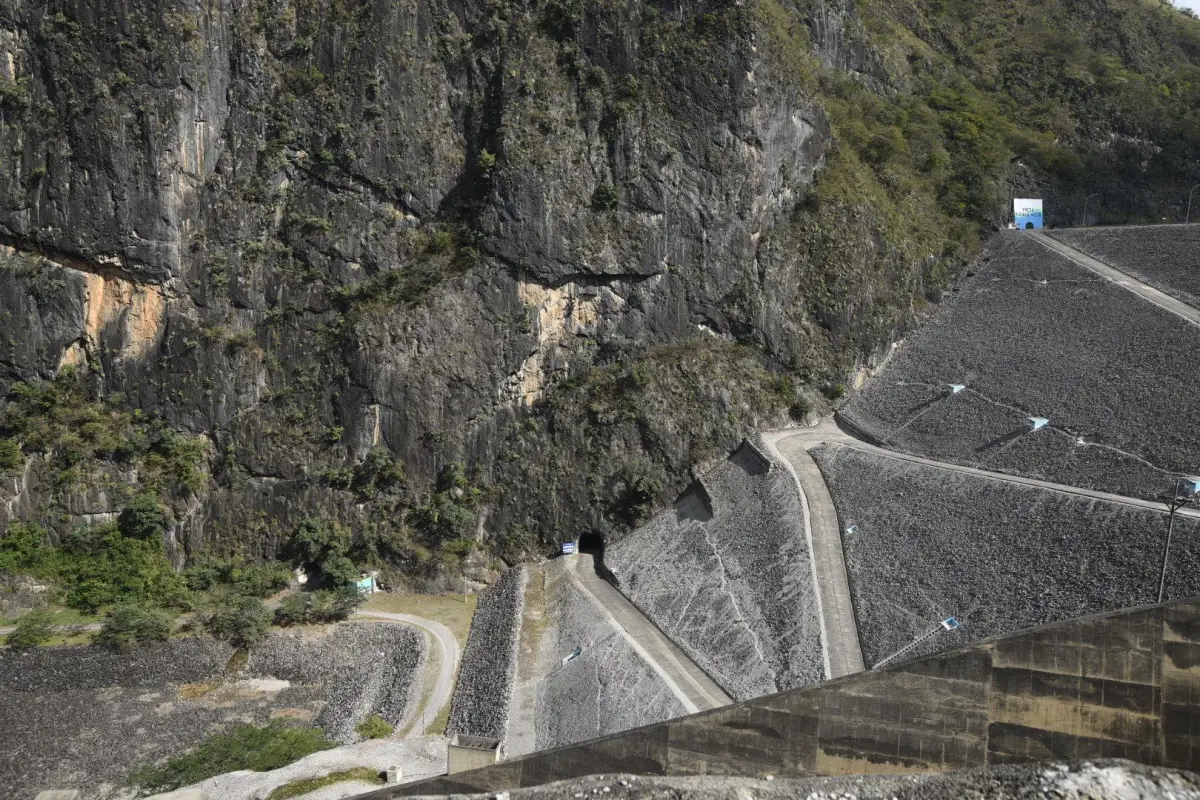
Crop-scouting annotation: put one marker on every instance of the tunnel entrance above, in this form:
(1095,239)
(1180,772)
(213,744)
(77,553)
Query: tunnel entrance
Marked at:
(593,544)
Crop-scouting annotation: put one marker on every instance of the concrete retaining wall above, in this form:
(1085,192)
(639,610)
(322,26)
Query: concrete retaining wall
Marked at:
(1122,685)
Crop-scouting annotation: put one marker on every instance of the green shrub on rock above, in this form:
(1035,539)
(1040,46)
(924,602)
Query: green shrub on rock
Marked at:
(242,621)
(129,625)
(375,727)
(33,629)
(245,747)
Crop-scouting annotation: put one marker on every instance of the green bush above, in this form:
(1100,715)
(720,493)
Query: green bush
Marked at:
(33,629)
(129,625)
(303,608)
(375,727)
(144,518)
(11,457)
(605,197)
(246,747)
(241,621)
(253,580)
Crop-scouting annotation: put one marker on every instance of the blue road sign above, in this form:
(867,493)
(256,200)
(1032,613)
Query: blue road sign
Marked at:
(570,548)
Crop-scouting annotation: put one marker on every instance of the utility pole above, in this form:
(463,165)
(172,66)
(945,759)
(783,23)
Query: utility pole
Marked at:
(1188,218)
(1083,222)
(1178,499)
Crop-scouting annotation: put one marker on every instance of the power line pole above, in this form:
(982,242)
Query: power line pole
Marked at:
(1188,218)
(1178,499)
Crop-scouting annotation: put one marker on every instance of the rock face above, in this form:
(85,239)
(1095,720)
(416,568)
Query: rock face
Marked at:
(247,220)
(727,575)
(489,662)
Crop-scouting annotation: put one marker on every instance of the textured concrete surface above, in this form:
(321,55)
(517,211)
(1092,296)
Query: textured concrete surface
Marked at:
(1034,334)
(1165,256)
(727,574)
(1121,685)
(1102,780)
(839,631)
(1125,280)
(930,543)
(485,682)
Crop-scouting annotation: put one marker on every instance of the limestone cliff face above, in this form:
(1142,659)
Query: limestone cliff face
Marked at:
(305,229)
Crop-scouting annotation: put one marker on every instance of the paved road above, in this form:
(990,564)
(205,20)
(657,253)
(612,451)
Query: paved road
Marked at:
(447,666)
(839,630)
(91,626)
(690,684)
(1125,280)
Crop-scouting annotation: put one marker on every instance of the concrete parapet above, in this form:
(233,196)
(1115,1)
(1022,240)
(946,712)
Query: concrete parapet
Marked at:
(1119,685)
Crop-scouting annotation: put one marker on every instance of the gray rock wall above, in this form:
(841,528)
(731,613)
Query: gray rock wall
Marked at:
(489,662)
(726,573)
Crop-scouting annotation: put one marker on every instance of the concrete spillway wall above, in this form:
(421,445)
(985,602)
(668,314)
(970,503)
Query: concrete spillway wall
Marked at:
(1121,685)
(726,573)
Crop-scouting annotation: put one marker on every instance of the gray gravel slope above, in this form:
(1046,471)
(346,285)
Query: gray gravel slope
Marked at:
(1088,780)
(1034,335)
(1000,557)
(609,688)
(1165,256)
(366,668)
(727,575)
(489,664)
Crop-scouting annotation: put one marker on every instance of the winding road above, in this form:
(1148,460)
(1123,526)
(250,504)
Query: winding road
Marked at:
(839,629)
(447,663)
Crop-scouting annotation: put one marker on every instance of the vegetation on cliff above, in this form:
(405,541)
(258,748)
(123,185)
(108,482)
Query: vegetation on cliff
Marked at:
(443,285)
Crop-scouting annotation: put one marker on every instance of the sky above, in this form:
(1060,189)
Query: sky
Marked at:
(1194,5)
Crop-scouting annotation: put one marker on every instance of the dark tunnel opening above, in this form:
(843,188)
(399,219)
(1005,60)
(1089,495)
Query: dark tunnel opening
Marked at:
(593,544)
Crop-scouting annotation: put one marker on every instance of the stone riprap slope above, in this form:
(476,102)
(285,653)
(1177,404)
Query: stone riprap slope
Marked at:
(1165,256)
(930,543)
(727,575)
(489,664)
(608,688)
(81,717)
(365,668)
(1030,335)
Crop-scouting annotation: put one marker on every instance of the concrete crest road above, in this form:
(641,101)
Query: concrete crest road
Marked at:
(1125,280)
(695,690)
(447,666)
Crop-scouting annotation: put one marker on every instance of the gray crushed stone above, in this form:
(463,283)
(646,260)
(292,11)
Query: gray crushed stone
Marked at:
(1165,256)
(1033,334)
(366,668)
(1000,557)
(726,573)
(489,664)
(1095,780)
(607,689)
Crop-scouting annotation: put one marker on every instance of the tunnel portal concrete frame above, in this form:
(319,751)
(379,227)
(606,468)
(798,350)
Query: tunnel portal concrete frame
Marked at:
(1118,685)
